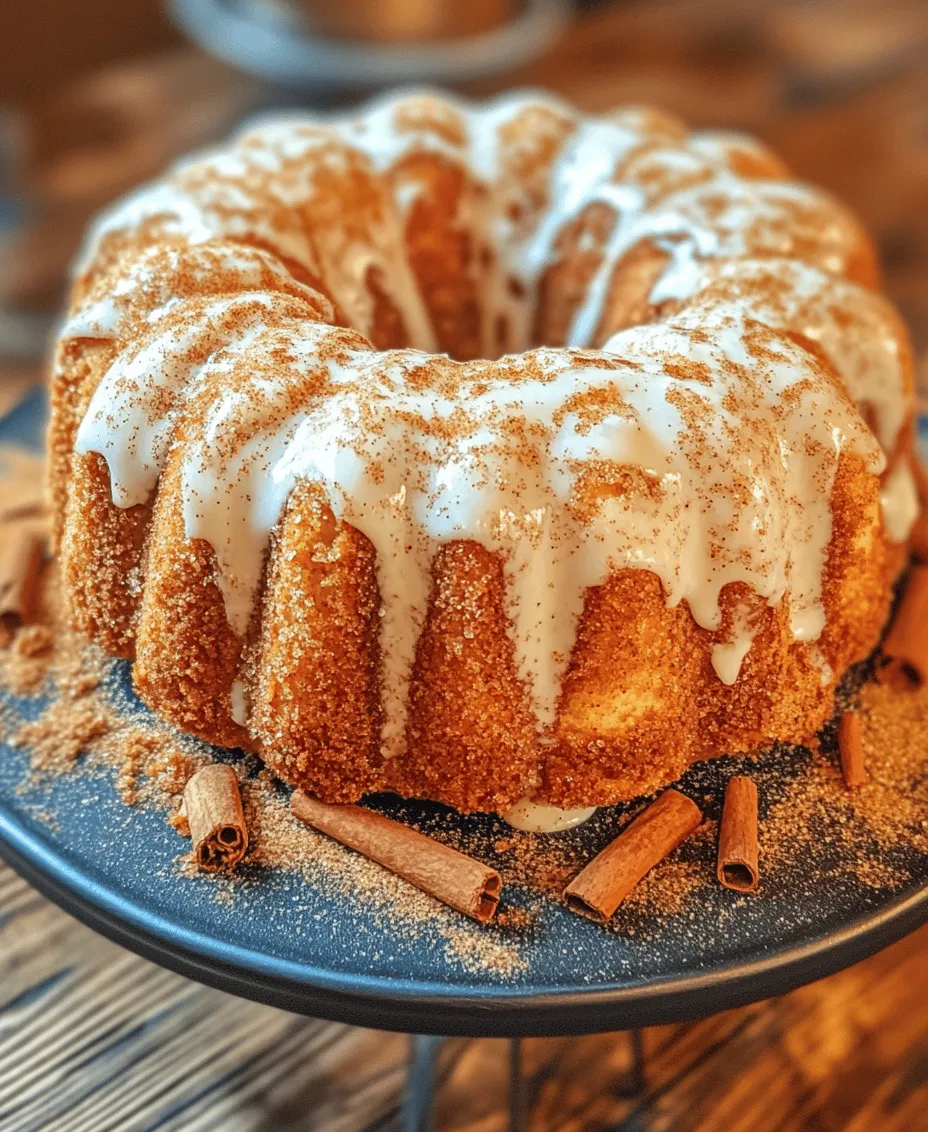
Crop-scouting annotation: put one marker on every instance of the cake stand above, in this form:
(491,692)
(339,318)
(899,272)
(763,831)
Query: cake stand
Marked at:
(267,40)
(311,949)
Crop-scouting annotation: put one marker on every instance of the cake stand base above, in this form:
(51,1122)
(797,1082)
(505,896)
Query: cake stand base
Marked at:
(423,1082)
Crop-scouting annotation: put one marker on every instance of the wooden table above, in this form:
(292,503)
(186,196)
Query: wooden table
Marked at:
(92,1038)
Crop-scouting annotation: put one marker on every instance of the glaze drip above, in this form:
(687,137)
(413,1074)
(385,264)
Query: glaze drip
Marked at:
(571,464)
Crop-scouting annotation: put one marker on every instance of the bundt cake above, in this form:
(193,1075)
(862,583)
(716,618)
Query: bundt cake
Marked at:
(482,452)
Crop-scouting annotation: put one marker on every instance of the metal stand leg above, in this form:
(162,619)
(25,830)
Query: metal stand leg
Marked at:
(635,1083)
(421,1083)
(637,1079)
(419,1098)
(518,1101)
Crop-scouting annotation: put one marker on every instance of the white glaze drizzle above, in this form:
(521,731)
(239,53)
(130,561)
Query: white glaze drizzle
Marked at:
(857,329)
(738,498)
(687,527)
(196,217)
(728,656)
(388,137)
(199,204)
(536,817)
(161,276)
(238,697)
(130,419)
(389,130)
(228,194)
(818,659)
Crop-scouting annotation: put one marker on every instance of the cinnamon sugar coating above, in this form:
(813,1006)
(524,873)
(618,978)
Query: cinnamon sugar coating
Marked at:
(316,541)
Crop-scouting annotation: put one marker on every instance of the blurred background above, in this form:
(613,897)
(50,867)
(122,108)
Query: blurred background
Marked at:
(97,95)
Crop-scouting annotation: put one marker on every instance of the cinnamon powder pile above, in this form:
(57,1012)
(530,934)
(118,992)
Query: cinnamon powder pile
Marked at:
(889,812)
(27,660)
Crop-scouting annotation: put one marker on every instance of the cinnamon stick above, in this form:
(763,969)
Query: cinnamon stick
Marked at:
(21,557)
(905,650)
(213,806)
(22,481)
(737,860)
(920,475)
(451,877)
(851,750)
(601,887)
(918,539)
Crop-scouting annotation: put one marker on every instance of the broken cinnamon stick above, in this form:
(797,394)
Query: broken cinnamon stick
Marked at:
(601,887)
(213,806)
(905,650)
(737,861)
(21,558)
(851,750)
(451,877)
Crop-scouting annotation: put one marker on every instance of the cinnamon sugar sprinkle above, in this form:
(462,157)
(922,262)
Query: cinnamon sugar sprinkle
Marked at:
(87,726)
(890,810)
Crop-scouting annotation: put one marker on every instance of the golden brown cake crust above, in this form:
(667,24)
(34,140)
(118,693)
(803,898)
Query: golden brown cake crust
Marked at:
(466,695)
(314,670)
(640,698)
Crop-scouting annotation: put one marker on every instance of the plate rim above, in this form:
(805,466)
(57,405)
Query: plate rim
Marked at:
(408,1005)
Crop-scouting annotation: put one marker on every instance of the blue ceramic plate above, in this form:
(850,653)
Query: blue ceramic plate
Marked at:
(309,949)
